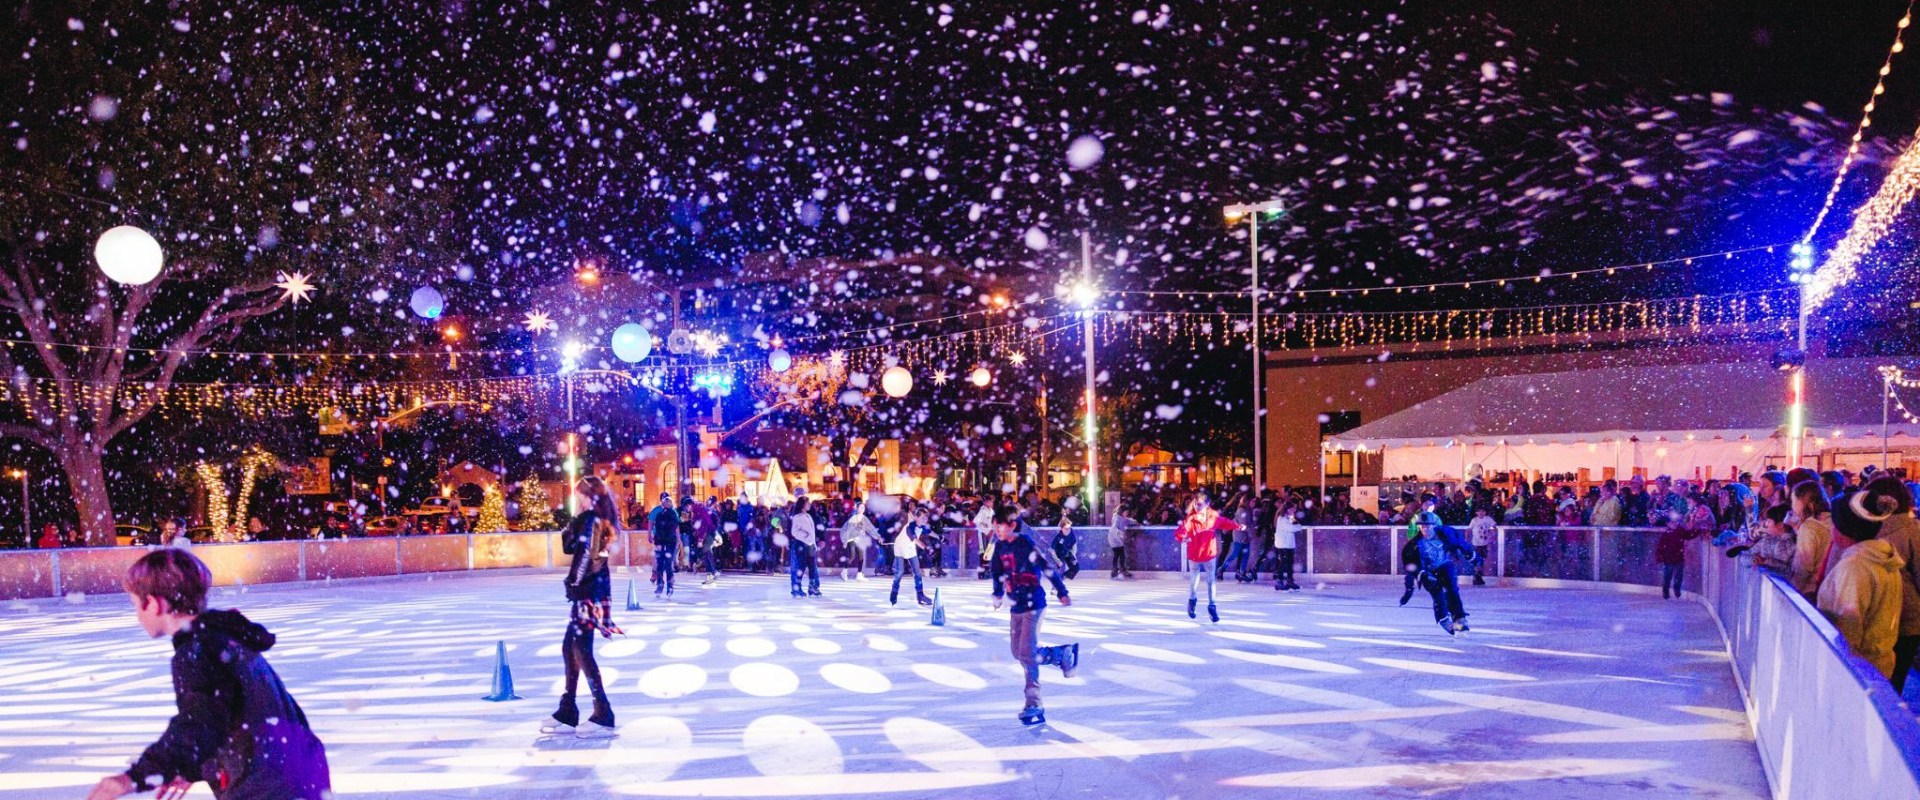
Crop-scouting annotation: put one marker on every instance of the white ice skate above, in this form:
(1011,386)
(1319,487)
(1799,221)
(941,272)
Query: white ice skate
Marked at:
(595,730)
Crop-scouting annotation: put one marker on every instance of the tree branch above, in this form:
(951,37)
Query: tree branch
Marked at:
(233,306)
(14,430)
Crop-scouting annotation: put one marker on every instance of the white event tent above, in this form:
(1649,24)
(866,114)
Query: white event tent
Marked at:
(1696,420)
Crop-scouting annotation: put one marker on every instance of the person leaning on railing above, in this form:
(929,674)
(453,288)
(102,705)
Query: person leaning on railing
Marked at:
(1862,592)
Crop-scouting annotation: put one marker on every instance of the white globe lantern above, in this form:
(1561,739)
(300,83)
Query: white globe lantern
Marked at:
(896,381)
(980,377)
(779,360)
(128,255)
(427,302)
(632,343)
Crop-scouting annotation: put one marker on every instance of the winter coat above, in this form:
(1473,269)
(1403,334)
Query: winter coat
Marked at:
(588,577)
(1203,538)
(1607,513)
(803,529)
(1286,532)
(1539,510)
(1018,567)
(1122,528)
(1633,509)
(858,531)
(1064,543)
(236,727)
(1812,549)
(1861,597)
(1671,549)
(666,526)
(1902,533)
(1431,554)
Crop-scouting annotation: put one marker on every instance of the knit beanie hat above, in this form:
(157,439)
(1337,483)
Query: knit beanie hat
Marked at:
(1858,516)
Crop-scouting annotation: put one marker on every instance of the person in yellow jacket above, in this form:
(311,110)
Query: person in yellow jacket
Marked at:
(1861,593)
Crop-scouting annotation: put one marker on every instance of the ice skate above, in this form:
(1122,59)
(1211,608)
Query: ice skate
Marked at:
(1191,605)
(595,730)
(1446,624)
(1213,612)
(1033,715)
(925,600)
(1069,659)
(554,727)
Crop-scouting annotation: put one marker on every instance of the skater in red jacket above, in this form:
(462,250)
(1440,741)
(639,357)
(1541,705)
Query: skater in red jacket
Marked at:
(1201,532)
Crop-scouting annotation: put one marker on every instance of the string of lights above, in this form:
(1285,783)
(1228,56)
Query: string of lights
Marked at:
(1859,131)
(1391,288)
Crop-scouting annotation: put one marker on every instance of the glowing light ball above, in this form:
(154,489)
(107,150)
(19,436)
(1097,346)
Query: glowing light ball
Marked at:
(780,360)
(427,302)
(980,377)
(632,343)
(128,255)
(896,381)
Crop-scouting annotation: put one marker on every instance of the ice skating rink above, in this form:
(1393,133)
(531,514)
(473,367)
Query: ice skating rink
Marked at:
(741,691)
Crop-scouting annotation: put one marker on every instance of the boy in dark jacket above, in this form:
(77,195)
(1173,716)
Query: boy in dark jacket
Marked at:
(1018,564)
(1434,552)
(666,540)
(237,728)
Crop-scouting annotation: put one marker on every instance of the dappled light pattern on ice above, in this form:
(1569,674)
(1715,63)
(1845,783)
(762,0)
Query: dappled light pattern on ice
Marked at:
(741,691)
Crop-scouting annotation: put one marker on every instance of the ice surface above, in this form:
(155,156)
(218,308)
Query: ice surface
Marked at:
(741,691)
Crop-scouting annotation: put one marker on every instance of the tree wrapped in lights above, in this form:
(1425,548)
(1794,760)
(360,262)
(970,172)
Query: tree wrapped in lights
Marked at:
(493,511)
(536,509)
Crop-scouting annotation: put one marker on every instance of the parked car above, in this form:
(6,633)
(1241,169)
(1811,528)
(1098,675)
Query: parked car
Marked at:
(386,526)
(133,535)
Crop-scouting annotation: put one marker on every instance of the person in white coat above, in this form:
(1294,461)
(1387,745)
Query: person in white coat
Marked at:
(1861,594)
(858,534)
(906,551)
(800,555)
(1286,538)
(983,528)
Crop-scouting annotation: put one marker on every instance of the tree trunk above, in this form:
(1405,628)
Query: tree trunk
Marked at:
(87,482)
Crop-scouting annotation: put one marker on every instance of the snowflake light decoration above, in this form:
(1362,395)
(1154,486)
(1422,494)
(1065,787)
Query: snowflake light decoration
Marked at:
(295,287)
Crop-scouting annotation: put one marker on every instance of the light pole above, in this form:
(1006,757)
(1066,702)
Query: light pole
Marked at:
(1084,294)
(1252,212)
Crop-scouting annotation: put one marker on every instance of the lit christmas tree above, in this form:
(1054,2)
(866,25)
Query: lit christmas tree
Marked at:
(536,511)
(493,511)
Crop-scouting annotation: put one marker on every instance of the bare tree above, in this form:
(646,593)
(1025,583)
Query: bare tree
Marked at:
(235,138)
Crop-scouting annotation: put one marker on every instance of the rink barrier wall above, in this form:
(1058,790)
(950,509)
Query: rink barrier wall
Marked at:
(1609,555)
(1800,681)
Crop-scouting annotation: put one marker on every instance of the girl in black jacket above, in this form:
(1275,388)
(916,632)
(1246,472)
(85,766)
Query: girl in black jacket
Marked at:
(588,538)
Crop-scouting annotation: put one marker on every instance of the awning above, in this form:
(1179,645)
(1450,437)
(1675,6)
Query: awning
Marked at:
(1693,402)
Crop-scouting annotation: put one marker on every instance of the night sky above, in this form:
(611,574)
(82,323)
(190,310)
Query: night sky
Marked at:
(490,149)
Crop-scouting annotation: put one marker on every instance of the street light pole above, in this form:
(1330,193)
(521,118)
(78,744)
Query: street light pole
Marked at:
(1252,212)
(1085,296)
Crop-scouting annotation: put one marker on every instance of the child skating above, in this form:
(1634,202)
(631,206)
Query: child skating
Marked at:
(589,538)
(1201,532)
(1435,551)
(906,551)
(1018,564)
(236,727)
(800,555)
